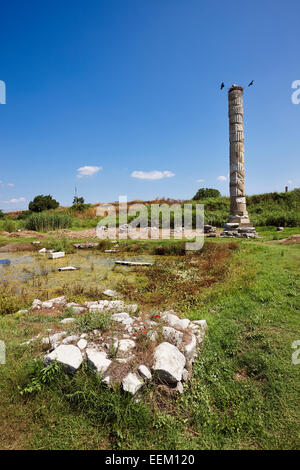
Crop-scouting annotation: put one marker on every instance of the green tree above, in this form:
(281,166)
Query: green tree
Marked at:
(42,203)
(203,193)
(1,214)
(78,200)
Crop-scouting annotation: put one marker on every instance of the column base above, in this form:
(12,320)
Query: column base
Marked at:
(241,220)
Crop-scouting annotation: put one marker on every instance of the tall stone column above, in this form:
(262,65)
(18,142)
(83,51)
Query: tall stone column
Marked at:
(238,211)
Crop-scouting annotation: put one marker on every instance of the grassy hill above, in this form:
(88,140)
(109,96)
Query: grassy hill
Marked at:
(269,209)
(279,209)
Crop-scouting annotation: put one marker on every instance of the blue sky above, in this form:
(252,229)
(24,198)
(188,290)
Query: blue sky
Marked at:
(130,88)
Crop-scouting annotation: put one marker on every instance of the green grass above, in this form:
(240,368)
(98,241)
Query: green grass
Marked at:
(243,395)
(44,222)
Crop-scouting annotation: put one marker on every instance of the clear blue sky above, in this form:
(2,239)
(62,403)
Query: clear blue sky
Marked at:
(133,86)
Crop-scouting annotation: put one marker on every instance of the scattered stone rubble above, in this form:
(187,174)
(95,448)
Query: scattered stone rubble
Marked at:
(85,245)
(134,351)
(209,229)
(234,230)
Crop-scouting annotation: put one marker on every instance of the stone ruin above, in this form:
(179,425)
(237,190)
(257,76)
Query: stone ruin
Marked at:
(171,344)
(239,224)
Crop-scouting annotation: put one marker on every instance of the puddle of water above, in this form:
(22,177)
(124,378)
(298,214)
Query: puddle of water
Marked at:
(35,270)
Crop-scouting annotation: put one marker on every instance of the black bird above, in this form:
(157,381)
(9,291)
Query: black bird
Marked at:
(251,83)
(222,85)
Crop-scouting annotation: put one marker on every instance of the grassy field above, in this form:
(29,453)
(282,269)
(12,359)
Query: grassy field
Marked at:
(243,394)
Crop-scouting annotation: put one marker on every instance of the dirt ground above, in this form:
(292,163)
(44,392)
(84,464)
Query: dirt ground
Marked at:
(91,233)
(287,241)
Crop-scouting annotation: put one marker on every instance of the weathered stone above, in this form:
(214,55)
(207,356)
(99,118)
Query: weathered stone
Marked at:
(68,355)
(179,387)
(185,375)
(133,263)
(47,304)
(70,339)
(190,348)
(54,338)
(31,340)
(107,306)
(201,323)
(56,254)
(120,317)
(124,345)
(169,363)
(175,321)
(110,293)
(106,380)
(238,211)
(132,308)
(152,335)
(209,229)
(78,310)
(97,360)
(131,383)
(59,300)
(68,268)
(67,320)
(144,372)
(172,336)
(82,343)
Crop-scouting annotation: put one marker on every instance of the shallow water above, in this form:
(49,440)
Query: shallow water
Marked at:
(36,270)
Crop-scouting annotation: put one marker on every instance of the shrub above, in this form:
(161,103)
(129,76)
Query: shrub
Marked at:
(206,192)
(60,244)
(46,222)
(92,321)
(175,249)
(80,207)
(104,244)
(1,214)
(8,304)
(41,203)
(24,215)
(8,225)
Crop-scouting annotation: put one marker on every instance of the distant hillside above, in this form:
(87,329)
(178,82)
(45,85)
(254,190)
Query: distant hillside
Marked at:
(273,209)
(279,209)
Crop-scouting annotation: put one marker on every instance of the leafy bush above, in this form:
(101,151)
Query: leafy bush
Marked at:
(92,321)
(60,244)
(1,214)
(80,206)
(42,377)
(24,215)
(46,222)
(203,193)
(41,203)
(8,225)
(8,303)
